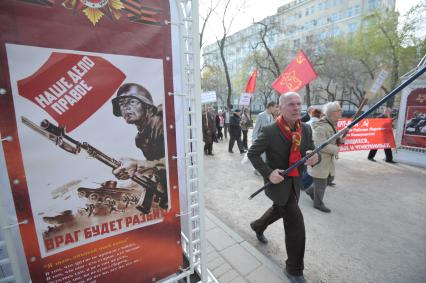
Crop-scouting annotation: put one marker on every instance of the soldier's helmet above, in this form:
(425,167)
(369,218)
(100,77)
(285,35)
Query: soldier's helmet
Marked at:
(131,90)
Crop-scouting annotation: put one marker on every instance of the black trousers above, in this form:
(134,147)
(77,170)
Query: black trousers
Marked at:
(388,153)
(208,148)
(219,133)
(245,139)
(226,130)
(232,142)
(294,228)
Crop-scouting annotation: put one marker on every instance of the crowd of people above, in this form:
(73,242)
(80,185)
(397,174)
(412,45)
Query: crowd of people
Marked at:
(217,127)
(280,138)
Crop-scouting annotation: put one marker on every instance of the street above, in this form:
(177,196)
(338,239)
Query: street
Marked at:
(376,231)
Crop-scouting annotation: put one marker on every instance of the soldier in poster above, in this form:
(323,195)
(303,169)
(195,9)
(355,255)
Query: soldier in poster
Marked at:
(134,103)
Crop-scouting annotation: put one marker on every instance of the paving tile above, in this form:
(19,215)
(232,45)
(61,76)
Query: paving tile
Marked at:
(209,248)
(240,259)
(224,227)
(240,279)
(211,256)
(220,270)
(209,224)
(215,263)
(219,239)
(271,265)
(227,276)
(264,274)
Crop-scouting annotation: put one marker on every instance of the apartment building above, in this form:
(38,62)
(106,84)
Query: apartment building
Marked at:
(299,22)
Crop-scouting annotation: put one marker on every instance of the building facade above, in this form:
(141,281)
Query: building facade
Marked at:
(299,22)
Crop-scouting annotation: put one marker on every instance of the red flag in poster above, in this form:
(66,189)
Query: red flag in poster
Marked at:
(71,87)
(251,84)
(297,74)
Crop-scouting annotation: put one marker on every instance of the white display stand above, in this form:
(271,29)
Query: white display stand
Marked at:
(185,33)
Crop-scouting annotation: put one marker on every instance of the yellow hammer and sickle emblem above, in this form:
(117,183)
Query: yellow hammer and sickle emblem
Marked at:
(300,59)
(291,81)
(296,139)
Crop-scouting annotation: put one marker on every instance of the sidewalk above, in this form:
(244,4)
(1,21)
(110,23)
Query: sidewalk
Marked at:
(232,259)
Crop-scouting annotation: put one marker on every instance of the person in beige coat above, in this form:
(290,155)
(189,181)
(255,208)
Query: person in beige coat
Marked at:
(322,131)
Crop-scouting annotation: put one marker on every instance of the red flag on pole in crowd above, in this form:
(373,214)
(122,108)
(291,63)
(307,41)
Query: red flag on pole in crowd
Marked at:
(297,74)
(251,84)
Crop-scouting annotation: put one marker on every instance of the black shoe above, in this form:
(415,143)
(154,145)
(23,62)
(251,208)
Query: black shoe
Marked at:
(310,194)
(210,153)
(259,236)
(331,184)
(230,151)
(390,161)
(371,159)
(323,208)
(294,278)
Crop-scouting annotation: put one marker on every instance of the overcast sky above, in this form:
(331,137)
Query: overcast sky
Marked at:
(259,9)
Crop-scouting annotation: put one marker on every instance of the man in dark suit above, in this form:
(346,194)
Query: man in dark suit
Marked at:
(285,142)
(235,132)
(308,114)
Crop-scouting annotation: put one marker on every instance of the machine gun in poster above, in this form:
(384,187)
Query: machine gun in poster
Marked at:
(60,138)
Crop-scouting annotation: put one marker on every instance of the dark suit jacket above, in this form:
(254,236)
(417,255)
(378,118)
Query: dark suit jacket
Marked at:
(306,118)
(234,126)
(277,149)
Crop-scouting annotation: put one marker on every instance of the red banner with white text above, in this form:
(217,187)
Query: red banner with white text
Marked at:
(374,133)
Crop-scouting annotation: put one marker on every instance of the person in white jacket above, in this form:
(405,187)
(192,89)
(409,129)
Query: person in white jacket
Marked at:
(322,131)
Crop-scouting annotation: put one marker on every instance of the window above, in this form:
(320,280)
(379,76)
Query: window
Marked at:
(336,31)
(372,4)
(334,3)
(307,12)
(352,27)
(357,9)
(296,43)
(320,6)
(325,5)
(312,9)
(323,35)
(350,12)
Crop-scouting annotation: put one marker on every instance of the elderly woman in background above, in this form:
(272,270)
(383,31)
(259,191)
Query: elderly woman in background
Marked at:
(315,117)
(322,131)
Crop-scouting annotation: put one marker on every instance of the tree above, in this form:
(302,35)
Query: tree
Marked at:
(226,23)
(210,8)
(341,78)
(212,79)
(387,39)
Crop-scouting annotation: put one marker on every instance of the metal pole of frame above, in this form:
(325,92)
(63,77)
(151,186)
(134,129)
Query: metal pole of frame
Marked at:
(197,90)
(193,240)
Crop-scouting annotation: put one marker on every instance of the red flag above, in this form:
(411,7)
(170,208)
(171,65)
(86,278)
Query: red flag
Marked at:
(297,74)
(72,87)
(251,84)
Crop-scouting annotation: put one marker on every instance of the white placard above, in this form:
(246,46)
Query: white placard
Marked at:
(207,97)
(245,99)
(379,81)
